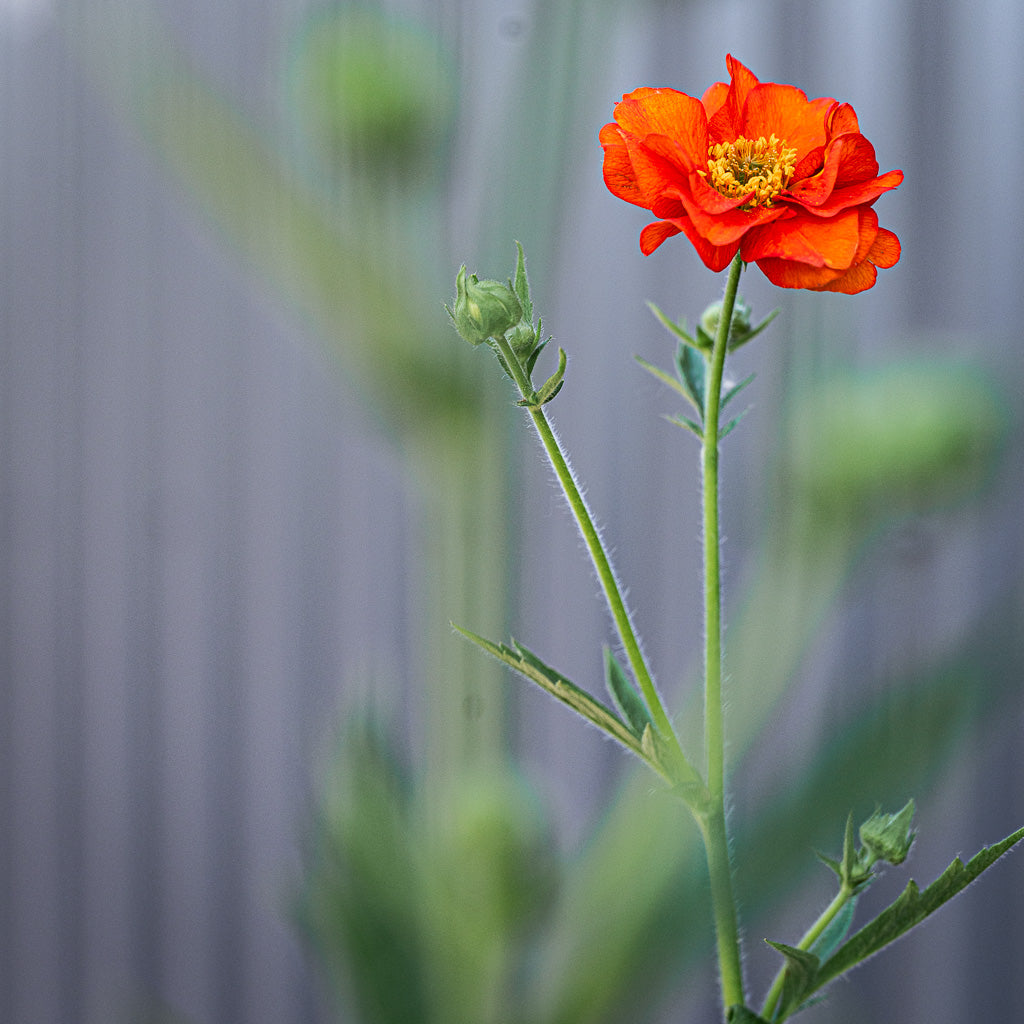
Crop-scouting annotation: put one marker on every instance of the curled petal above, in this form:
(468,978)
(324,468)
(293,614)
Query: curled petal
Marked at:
(727,122)
(877,247)
(842,119)
(654,234)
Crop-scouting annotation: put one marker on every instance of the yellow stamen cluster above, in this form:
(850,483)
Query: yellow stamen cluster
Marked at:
(757,168)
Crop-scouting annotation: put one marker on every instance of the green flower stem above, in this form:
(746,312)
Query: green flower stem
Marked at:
(602,564)
(713,825)
(811,936)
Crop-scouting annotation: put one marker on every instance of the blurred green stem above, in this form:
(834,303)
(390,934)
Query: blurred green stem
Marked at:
(712,823)
(463,547)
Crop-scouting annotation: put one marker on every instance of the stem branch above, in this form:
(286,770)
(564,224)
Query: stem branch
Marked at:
(601,562)
(811,936)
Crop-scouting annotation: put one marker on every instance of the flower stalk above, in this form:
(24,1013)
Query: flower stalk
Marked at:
(713,824)
(601,561)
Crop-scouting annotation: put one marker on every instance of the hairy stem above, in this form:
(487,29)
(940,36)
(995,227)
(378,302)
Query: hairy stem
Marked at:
(713,826)
(602,565)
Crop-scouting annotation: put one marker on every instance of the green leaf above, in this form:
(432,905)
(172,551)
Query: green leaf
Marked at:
(693,370)
(554,383)
(521,286)
(664,377)
(527,664)
(910,909)
(731,392)
(627,701)
(799,979)
(741,339)
(687,424)
(677,329)
(731,425)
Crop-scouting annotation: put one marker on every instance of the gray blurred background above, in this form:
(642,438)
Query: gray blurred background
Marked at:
(249,474)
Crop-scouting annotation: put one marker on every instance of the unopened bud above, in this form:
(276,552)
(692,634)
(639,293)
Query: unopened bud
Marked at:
(888,836)
(739,329)
(483,309)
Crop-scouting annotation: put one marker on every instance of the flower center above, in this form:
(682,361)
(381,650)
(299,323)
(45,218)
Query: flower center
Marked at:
(756,168)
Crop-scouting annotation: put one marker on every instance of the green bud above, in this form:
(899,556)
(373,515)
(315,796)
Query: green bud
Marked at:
(523,339)
(483,309)
(740,329)
(888,837)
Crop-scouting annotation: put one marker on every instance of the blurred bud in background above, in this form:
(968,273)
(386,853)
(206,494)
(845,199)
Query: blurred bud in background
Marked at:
(374,92)
(420,912)
(896,439)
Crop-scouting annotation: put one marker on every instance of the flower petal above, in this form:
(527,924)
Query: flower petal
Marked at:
(728,118)
(667,112)
(714,97)
(721,220)
(714,257)
(885,251)
(877,247)
(829,243)
(855,195)
(785,111)
(618,171)
(842,119)
(654,234)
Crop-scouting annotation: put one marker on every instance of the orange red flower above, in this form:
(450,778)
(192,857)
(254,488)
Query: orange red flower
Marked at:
(755,167)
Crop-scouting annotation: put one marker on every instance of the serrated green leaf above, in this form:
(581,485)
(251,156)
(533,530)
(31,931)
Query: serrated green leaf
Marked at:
(693,371)
(909,909)
(664,377)
(527,664)
(627,701)
(677,329)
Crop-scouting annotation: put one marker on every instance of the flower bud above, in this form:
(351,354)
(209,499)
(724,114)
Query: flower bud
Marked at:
(888,836)
(523,339)
(740,328)
(483,309)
